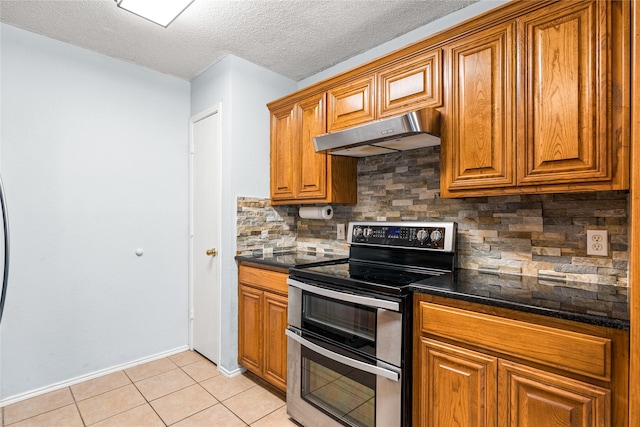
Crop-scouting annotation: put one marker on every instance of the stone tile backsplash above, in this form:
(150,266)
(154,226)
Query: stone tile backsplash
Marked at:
(262,228)
(533,235)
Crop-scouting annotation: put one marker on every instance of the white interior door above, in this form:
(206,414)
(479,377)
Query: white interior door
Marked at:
(205,229)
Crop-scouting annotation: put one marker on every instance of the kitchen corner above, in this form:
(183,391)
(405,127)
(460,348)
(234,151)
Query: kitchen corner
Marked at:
(522,271)
(529,320)
(524,115)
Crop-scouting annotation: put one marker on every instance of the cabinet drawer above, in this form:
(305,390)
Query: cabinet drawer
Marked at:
(351,104)
(572,351)
(410,85)
(265,279)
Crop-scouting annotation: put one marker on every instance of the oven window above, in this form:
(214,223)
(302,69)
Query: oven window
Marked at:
(350,324)
(345,393)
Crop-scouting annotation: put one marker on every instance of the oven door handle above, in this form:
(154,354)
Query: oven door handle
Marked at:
(342,296)
(363,366)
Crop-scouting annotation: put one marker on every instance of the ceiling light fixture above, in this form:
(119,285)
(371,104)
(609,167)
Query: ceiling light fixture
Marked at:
(162,12)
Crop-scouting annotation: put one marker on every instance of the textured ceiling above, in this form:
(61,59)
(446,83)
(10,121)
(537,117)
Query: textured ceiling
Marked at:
(295,38)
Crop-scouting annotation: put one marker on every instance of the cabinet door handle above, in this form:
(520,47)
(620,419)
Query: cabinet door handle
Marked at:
(343,296)
(363,366)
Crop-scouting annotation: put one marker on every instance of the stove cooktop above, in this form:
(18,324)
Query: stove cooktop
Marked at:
(387,257)
(362,276)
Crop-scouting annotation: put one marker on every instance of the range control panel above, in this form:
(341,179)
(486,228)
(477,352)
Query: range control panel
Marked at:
(438,236)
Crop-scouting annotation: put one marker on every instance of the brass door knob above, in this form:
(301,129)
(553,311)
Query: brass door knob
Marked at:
(212,252)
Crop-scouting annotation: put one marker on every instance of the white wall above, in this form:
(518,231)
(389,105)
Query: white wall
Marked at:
(399,42)
(94,159)
(244,89)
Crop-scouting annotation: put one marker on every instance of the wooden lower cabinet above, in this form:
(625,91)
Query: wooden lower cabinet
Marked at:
(249,316)
(458,386)
(532,397)
(275,342)
(467,388)
(475,380)
(262,320)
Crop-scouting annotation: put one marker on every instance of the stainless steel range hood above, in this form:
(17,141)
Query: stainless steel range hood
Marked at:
(409,131)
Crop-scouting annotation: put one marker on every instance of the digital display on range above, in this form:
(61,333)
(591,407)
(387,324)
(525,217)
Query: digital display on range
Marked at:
(393,232)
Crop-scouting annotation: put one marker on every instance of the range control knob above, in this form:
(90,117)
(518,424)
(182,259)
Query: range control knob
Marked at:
(357,231)
(367,232)
(436,235)
(422,235)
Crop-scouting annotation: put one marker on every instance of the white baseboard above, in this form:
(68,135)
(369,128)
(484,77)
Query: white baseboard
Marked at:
(230,374)
(63,384)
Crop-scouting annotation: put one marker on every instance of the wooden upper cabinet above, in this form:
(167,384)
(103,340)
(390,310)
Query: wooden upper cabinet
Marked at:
(404,86)
(299,175)
(250,302)
(351,104)
(283,153)
(479,137)
(535,98)
(549,116)
(564,112)
(410,85)
(312,169)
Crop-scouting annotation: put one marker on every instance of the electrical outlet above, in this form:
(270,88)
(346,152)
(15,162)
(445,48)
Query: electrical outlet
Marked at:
(597,242)
(340,232)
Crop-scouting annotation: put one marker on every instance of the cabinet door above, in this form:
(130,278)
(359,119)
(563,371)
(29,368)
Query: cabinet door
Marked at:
(275,341)
(458,386)
(351,104)
(250,321)
(529,397)
(478,145)
(283,155)
(312,170)
(563,91)
(410,85)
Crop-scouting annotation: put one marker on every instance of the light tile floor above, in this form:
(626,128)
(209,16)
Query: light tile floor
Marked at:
(184,390)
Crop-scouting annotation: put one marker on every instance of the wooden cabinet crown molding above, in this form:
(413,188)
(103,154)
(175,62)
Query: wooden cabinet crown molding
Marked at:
(488,19)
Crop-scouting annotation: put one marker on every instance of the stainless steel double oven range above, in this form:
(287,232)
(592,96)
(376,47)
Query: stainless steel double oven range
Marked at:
(350,324)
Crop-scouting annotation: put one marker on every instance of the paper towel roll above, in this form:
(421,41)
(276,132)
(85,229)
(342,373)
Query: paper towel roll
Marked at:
(315,212)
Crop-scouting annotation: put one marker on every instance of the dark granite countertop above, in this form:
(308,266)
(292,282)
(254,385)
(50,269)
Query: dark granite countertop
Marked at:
(290,259)
(597,304)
